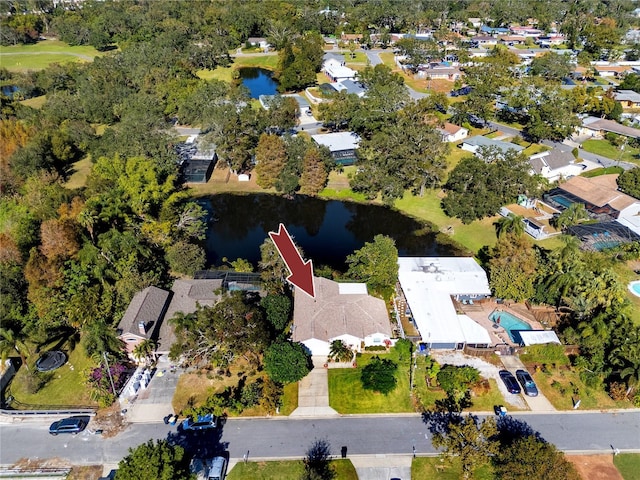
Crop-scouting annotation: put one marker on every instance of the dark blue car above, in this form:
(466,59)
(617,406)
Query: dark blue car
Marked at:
(509,381)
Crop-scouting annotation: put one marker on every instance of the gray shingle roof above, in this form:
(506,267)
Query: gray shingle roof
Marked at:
(148,307)
(332,314)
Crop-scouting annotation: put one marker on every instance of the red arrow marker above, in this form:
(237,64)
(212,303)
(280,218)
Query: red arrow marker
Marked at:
(301,271)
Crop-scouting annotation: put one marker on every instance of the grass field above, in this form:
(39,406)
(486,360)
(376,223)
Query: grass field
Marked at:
(446,469)
(628,464)
(35,102)
(604,148)
(80,172)
(602,171)
(268,62)
(43,54)
(286,470)
(67,387)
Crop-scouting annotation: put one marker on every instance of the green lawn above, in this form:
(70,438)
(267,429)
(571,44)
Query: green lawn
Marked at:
(604,148)
(628,464)
(80,172)
(569,388)
(268,62)
(602,171)
(35,102)
(286,470)
(43,54)
(67,387)
(445,469)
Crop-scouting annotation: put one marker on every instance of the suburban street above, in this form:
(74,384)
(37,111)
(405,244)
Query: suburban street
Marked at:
(285,438)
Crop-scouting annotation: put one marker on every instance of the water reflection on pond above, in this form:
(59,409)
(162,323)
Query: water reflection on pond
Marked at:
(327,231)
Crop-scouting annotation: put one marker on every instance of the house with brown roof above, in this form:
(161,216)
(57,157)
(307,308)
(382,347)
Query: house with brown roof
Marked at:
(143,317)
(339,311)
(600,196)
(452,133)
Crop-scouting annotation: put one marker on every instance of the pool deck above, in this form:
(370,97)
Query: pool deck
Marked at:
(480,312)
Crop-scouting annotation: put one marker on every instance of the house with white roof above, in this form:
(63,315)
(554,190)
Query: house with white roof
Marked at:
(429,284)
(342,145)
(339,311)
(336,71)
(555,164)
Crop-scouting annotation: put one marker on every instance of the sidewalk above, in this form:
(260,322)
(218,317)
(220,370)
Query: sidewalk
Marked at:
(313,392)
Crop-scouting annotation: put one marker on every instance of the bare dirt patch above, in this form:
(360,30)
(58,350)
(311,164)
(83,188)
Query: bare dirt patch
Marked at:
(595,467)
(109,420)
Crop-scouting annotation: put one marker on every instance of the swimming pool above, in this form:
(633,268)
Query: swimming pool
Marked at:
(634,287)
(511,323)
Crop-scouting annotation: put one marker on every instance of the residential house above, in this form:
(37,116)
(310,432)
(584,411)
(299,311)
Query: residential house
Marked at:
(612,70)
(601,198)
(555,164)
(197,168)
(337,71)
(487,30)
(442,71)
(260,42)
(628,98)
(429,284)
(526,31)
(475,22)
(553,40)
(452,133)
(597,127)
(350,87)
(351,37)
(513,39)
(484,41)
(141,321)
(339,311)
(473,144)
(342,145)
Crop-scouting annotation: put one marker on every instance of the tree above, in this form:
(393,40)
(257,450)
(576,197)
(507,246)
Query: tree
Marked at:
(552,66)
(339,351)
(376,263)
(512,267)
(529,457)
(299,62)
(271,158)
(314,172)
(14,340)
(185,258)
(512,223)
(278,310)
(287,362)
(629,182)
(469,440)
(143,352)
(273,270)
(456,381)
(551,118)
(219,334)
(159,460)
(573,215)
(379,375)
(317,463)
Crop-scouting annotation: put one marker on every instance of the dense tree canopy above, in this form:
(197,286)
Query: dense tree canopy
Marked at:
(154,460)
(287,362)
(376,263)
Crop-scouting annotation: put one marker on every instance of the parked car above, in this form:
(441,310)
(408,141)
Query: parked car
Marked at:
(73,425)
(528,385)
(509,381)
(476,121)
(209,468)
(202,422)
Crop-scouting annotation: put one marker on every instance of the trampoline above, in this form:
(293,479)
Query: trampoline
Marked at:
(50,361)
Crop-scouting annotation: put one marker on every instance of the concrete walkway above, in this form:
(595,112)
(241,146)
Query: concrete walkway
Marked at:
(382,467)
(313,392)
(536,404)
(154,403)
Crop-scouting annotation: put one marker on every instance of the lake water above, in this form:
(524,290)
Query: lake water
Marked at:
(327,231)
(258,81)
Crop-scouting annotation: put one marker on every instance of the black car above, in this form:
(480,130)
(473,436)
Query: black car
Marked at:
(509,381)
(73,425)
(527,383)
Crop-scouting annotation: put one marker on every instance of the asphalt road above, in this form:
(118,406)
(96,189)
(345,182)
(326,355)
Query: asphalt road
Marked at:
(288,438)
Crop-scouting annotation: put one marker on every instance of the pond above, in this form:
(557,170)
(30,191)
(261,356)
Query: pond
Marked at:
(259,81)
(327,231)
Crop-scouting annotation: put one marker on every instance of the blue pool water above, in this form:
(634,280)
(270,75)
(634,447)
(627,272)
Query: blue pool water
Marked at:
(510,323)
(565,202)
(635,288)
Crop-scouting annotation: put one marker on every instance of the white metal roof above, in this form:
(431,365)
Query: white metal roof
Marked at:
(535,337)
(352,289)
(338,141)
(429,282)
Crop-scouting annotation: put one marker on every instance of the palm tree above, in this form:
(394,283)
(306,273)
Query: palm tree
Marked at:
(144,351)
(573,215)
(512,223)
(13,341)
(339,351)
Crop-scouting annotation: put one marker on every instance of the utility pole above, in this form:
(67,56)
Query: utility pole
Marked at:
(113,388)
